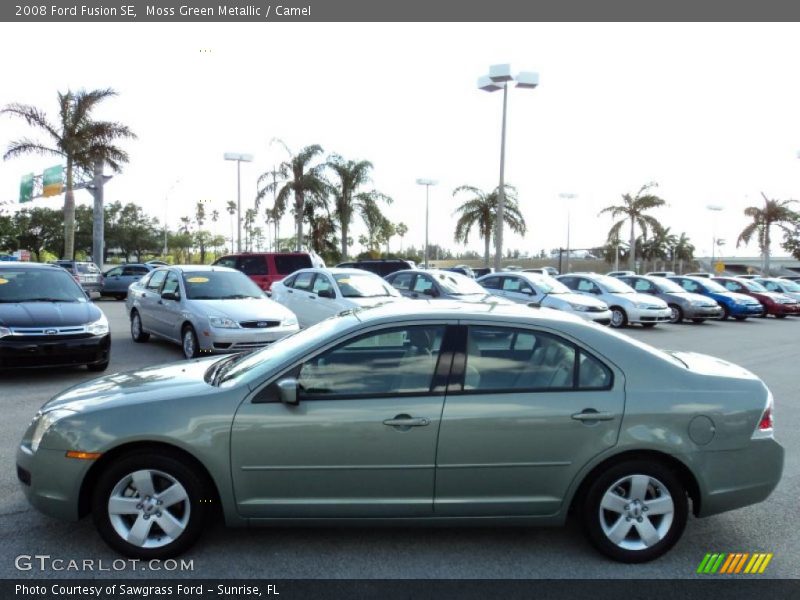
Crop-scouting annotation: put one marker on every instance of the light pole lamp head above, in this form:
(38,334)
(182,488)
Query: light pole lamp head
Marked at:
(714,207)
(427,182)
(528,80)
(567,196)
(500,73)
(486,84)
(238,156)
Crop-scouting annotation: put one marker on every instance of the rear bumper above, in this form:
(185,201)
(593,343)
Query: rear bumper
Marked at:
(54,353)
(733,479)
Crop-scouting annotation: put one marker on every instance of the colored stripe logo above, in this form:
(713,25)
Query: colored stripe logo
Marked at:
(734,563)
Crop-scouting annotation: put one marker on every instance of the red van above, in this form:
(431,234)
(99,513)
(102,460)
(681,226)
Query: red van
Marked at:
(265,268)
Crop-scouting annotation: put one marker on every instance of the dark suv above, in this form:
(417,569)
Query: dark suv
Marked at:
(381,267)
(265,268)
(85,273)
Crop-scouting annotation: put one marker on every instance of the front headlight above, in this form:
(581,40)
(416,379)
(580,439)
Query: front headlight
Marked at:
(289,321)
(99,327)
(579,307)
(223,323)
(4,331)
(45,421)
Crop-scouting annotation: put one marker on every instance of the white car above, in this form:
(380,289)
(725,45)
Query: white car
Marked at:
(316,294)
(627,305)
(527,288)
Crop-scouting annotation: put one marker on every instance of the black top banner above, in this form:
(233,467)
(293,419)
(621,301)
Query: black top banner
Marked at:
(396,10)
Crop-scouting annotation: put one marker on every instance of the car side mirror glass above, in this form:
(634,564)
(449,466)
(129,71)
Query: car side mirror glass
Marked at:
(170,296)
(287,391)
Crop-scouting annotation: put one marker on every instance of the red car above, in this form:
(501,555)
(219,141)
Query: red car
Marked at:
(265,268)
(775,304)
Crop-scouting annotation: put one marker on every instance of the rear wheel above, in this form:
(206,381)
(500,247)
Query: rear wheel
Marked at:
(635,511)
(619,317)
(137,333)
(149,505)
(676,314)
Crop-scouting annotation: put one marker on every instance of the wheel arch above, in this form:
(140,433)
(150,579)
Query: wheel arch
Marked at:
(681,470)
(90,480)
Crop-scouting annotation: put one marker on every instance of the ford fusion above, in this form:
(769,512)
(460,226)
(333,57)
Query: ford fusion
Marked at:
(427,412)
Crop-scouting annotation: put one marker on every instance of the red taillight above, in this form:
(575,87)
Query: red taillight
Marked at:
(766,420)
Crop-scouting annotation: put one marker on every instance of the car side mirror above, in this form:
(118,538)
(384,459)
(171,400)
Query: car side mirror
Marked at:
(170,296)
(431,292)
(287,391)
(325,293)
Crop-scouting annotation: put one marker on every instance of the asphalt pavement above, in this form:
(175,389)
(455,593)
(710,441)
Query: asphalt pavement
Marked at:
(768,347)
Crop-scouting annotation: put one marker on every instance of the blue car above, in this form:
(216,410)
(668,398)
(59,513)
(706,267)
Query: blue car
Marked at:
(738,306)
(118,279)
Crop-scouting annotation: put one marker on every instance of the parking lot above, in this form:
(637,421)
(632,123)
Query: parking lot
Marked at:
(768,347)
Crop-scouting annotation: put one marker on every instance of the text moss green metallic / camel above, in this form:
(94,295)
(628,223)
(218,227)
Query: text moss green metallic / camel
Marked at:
(427,412)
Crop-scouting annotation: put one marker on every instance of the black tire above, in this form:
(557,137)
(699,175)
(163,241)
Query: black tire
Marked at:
(164,471)
(740,318)
(619,318)
(648,325)
(138,334)
(725,313)
(698,320)
(190,347)
(98,367)
(780,316)
(662,482)
(676,316)
(121,296)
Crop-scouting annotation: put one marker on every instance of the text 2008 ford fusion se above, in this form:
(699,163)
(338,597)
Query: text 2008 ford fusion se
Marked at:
(427,412)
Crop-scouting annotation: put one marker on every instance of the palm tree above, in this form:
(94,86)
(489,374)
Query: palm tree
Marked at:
(231,208)
(481,210)
(683,250)
(296,177)
(633,209)
(401,229)
(81,141)
(774,212)
(351,176)
(214,219)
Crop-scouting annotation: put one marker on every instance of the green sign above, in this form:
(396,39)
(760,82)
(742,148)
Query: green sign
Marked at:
(26,188)
(53,181)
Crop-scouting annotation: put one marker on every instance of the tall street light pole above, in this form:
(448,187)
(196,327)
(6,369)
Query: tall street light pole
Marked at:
(568,197)
(498,79)
(427,183)
(239,158)
(166,204)
(714,208)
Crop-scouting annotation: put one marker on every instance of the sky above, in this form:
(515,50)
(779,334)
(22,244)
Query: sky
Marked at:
(708,111)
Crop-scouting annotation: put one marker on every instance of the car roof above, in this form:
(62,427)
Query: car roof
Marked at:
(335,271)
(15,264)
(198,268)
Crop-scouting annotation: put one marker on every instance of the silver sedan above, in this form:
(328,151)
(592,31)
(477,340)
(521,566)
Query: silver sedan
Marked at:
(206,309)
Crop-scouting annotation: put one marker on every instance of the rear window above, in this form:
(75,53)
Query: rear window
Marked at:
(87,268)
(289,263)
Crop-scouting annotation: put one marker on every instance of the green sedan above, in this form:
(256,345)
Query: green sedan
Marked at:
(438,413)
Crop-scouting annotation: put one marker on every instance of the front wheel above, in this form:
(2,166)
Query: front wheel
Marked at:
(618,317)
(189,342)
(635,511)
(725,313)
(780,316)
(675,314)
(149,505)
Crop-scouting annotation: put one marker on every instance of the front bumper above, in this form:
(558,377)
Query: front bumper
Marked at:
(737,478)
(239,340)
(603,317)
(703,312)
(746,310)
(60,352)
(784,309)
(649,315)
(50,481)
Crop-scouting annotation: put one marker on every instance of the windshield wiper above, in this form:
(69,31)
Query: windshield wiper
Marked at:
(48,300)
(235,297)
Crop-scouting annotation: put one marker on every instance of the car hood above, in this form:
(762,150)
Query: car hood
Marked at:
(241,310)
(704,364)
(183,379)
(54,314)
(743,298)
(483,298)
(640,299)
(688,296)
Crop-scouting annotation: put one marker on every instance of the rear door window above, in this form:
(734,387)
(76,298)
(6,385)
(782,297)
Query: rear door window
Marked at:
(253,265)
(289,263)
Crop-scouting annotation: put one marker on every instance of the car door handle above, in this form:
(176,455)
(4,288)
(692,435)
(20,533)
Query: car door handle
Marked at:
(407,421)
(592,415)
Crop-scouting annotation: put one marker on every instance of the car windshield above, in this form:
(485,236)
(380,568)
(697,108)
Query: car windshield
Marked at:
(457,284)
(713,286)
(665,285)
(39,285)
(219,285)
(790,286)
(753,286)
(548,285)
(363,285)
(614,285)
